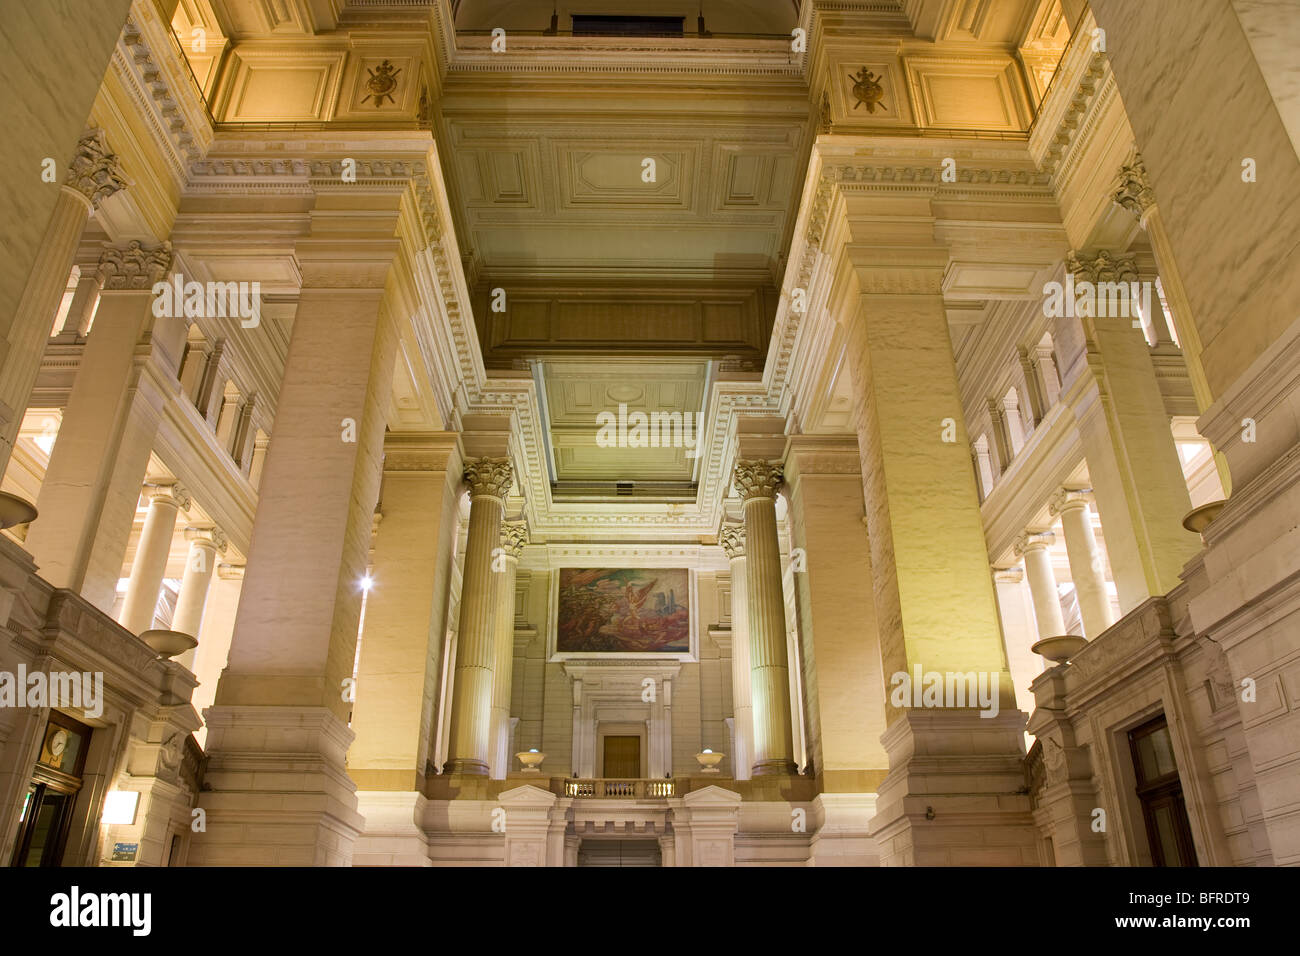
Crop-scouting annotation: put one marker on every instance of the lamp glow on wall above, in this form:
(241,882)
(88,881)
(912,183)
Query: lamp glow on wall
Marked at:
(120,806)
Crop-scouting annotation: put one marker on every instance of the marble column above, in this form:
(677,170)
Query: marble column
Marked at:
(1137,476)
(151,553)
(93,175)
(82,307)
(206,545)
(215,632)
(1087,565)
(1236,240)
(505,570)
(1133,192)
(842,681)
(283,694)
(733,543)
(471,709)
(1017,613)
(91,489)
(406,618)
(936,604)
(756,482)
(1033,547)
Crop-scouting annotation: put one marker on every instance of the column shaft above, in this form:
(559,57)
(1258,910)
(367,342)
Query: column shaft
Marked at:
(471,709)
(151,559)
(406,614)
(200,562)
(283,694)
(1087,567)
(1042,584)
(505,569)
(742,695)
(91,488)
(769,666)
(36,310)
(842,681)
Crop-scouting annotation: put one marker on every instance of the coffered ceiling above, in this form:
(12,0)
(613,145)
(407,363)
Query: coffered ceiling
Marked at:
(577,391)
(663,194)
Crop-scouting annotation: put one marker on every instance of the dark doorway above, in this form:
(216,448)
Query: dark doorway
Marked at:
(1169,832)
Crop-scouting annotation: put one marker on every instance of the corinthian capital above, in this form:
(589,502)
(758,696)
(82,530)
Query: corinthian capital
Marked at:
(94,171)
(733,540)
(514,535)
(134,267)
(1133,189)
(488,476)
(757,479)
(1103,267)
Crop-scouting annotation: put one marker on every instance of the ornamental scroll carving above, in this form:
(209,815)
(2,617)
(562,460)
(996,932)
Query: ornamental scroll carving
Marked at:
(758,479)
(488,476)
(95,171)
(733,540)
(1133,187)
(514,535)
(135,267)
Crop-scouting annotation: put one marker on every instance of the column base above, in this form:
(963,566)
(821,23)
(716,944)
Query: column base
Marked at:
(278,791)
(767,768)
(394,829)
(954,795)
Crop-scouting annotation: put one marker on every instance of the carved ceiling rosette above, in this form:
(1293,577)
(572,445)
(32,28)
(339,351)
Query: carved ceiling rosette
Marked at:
(95,172)
(732,537)
(488,476)
(514,535)
(758,479)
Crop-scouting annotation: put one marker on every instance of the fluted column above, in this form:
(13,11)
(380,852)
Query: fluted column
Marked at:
(93,175)
(489,481)
(1033,547)
(1087,567)
(742,696)
(151,556)
(505,569)
(769,669)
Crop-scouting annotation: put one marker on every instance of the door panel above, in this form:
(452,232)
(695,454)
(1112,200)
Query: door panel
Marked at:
(622,757)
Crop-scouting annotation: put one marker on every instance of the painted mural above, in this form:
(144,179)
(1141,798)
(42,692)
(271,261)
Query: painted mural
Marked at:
(643,610)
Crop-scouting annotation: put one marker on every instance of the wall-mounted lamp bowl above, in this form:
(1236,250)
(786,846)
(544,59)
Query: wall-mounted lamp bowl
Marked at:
(168,643)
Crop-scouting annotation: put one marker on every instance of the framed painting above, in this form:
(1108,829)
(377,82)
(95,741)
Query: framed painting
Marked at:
(623,612)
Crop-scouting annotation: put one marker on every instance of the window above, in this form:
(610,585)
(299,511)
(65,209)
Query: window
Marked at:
(622,26)
(1161,794)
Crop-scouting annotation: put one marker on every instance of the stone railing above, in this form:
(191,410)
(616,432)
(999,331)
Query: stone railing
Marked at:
(619,789)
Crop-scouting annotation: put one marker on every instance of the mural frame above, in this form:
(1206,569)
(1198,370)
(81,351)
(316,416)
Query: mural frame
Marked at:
(553,620)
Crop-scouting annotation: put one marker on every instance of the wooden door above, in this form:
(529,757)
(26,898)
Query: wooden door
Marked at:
(622,757)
